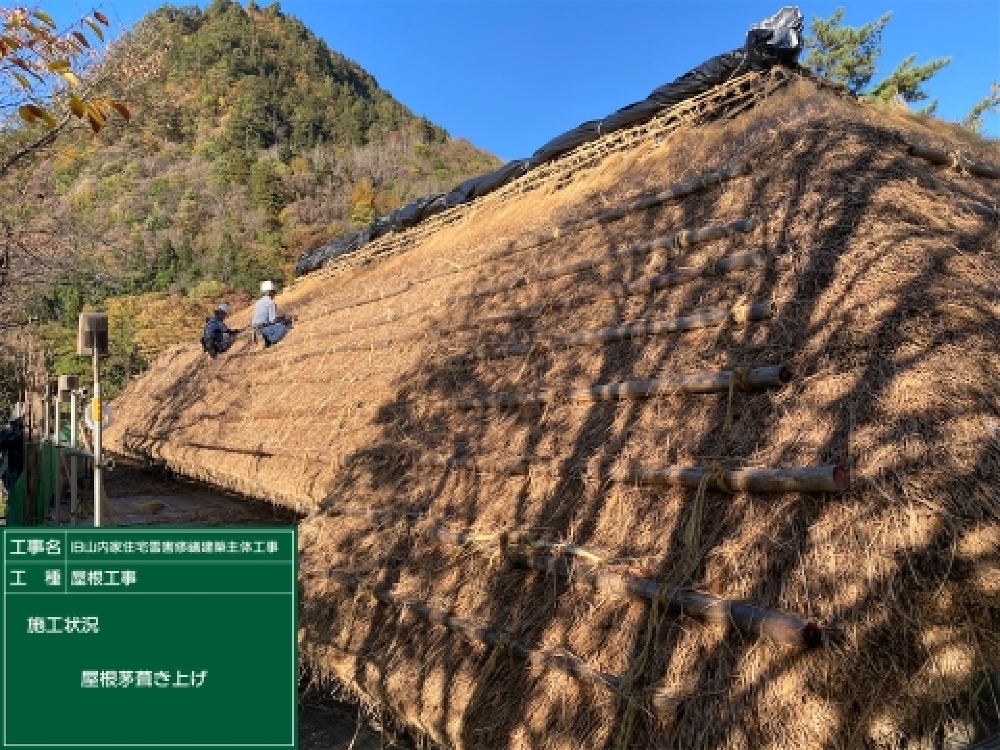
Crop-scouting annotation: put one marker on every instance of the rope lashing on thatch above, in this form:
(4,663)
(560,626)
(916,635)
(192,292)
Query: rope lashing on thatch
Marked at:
(954,159)
(646,285)
(771,376)
(664,705)
(501,649)
(505,539)
(629,698)
(738,379)
(714,474)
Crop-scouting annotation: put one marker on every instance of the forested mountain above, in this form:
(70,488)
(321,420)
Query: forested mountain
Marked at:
(252,142)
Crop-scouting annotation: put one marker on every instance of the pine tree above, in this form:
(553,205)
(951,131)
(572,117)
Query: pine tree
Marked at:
(991,103)
(906,82)
(165,266)
(848,54)
(226,256)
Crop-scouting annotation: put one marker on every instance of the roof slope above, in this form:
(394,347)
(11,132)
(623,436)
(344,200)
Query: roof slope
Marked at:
(886,314)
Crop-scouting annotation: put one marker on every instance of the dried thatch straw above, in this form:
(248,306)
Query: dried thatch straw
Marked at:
(886,308)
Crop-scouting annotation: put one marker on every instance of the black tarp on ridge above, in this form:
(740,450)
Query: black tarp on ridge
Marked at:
(775,40)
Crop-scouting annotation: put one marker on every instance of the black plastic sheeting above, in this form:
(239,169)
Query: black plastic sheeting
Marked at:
(774,41)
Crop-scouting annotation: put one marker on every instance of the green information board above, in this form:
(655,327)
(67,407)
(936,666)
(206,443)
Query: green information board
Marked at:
(153,638)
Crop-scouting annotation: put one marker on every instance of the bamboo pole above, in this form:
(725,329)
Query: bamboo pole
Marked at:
(702,319)
(664,705)
(954,159)
(978,208)
(783,627)
(795,479)
(772,376)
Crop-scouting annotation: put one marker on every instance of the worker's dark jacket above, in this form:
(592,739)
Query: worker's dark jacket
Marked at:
(216,337)
(12,444)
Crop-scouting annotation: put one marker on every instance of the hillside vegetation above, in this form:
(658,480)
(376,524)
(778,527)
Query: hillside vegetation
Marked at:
(254,142)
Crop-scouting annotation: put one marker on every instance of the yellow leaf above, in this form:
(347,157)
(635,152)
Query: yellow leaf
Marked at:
(95,28)
(94,124)
(32,112)
(70,77)
(100,106)
(94,113)
(77,107)
(56,65)
(22,79)
(44,17)
(122,110)
(49,120)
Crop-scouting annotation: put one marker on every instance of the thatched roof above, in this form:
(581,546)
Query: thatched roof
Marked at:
(886,315)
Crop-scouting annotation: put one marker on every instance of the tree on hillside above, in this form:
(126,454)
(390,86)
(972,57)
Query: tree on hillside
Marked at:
(60,90)
(40,75)
(990,103)
(849,54)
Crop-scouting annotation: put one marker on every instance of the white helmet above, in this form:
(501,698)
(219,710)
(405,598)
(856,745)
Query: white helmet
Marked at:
(223,308)
(267,286)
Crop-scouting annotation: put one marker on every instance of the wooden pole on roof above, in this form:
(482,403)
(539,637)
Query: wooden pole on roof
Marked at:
(660,701)
(783,627)
(954,159)
(792,479)
(772,376)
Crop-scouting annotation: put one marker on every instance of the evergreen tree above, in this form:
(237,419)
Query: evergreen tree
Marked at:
(185,256)
(991,103)
(137,271)
(906,82)
(165,266)
(225,263)
(848,54)
(265,187)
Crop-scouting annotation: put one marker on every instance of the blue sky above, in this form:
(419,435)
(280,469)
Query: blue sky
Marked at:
(511,74)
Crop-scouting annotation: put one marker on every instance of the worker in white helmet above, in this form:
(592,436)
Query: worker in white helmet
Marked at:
(217,337)
(269,327)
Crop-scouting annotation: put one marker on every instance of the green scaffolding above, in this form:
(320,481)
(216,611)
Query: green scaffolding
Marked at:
(48,465)
(28,500)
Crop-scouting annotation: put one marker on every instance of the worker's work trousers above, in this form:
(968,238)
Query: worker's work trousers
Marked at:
(274,332)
